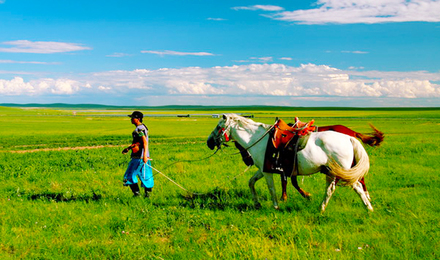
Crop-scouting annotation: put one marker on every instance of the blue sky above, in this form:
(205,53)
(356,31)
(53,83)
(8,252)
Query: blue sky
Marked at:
(362,53)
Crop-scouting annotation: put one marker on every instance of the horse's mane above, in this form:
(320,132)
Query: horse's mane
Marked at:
(243,122)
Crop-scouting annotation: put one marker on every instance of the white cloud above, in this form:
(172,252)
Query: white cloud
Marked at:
(65,87)
(17,86)
(177,53)
(241,61)
(104,88)
(216,19)
(244,81)
(363,11)
(29,62)
(118,55)
(355,68)
(259,7)
(355,52)
(258,59)
(262,59)
(24,46)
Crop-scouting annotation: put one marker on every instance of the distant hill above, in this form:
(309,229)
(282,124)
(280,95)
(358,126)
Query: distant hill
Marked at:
(205,108)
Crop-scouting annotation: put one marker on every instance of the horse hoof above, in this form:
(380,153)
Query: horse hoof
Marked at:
(368,195)
(308,196)
(284,198)
(276,207)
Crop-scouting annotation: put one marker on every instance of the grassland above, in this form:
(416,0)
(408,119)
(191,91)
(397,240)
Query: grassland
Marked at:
(69,203)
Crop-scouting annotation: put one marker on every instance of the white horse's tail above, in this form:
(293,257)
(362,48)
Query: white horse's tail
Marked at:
(359,170)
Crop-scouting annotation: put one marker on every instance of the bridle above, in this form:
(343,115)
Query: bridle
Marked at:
(222,132)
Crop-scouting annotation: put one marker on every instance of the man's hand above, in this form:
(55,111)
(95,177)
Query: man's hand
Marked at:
(125,150)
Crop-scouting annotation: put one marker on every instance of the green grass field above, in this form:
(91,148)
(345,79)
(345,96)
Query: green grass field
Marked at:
(62,195)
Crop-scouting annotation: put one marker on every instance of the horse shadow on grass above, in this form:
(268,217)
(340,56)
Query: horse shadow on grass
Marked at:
(231,199)
(217,199)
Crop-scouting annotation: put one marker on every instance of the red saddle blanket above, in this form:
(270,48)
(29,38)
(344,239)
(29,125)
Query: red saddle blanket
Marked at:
(285,132)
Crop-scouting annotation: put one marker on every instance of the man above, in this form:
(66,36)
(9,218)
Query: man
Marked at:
(139,166)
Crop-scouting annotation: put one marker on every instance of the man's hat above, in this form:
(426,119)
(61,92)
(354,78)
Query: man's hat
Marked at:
(136,114)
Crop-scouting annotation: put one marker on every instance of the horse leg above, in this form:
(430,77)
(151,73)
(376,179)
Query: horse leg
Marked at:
(303,193)
(271,186)
(258,175)
(284,187)
(362,181)
(331,187)
(360,190)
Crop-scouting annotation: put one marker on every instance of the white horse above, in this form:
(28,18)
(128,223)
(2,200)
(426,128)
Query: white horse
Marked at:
(329,152)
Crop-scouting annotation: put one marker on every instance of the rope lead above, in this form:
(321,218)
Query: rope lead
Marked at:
(190,193)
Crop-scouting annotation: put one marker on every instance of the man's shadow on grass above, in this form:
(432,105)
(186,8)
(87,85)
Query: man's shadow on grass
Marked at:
(63,197)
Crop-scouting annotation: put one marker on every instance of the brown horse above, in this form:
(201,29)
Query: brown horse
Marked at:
(373,139)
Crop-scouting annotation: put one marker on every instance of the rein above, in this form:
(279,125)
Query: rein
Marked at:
(205,158)
(195,160)
(175,183)
(190,193)
(256,142)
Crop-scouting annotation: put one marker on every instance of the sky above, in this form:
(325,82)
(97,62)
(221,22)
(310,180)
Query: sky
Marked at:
(344,53)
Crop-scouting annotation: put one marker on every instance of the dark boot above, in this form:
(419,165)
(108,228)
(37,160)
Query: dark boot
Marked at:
(135,189)
(147,192)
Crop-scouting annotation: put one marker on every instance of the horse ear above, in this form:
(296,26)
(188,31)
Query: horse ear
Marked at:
(224,116)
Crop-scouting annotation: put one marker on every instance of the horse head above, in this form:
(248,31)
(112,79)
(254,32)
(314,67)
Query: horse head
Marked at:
(220,134)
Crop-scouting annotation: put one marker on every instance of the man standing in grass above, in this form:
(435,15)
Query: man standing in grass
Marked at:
(139,166)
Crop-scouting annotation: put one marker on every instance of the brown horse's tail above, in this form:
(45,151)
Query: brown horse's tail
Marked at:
(373,139)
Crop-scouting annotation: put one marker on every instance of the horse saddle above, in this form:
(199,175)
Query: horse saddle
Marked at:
(284,132)
(285,142)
